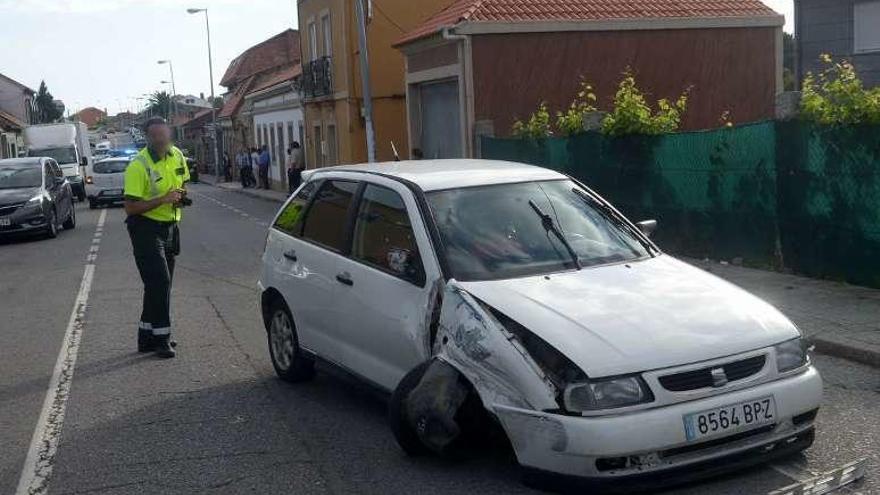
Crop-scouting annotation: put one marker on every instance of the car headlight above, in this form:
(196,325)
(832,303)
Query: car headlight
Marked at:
(611,393)
(791,355)
(33,202)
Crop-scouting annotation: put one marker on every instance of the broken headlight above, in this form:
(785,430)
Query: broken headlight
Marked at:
(609,393)
(791,355)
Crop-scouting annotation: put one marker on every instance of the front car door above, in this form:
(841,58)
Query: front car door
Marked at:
(392,275)
(62,196)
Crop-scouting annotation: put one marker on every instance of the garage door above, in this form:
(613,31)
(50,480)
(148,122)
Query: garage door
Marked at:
(440,120)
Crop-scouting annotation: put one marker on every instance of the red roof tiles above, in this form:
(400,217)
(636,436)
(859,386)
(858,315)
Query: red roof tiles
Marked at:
(581,10)
(279,50)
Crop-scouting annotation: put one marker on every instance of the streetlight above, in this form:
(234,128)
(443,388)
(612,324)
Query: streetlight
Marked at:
(211,75)
(173,87)
(171,103)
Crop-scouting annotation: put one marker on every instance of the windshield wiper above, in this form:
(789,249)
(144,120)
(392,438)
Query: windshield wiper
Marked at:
(609,213)
(550,226)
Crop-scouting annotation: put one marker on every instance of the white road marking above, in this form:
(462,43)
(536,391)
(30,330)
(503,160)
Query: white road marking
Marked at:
(44,443)
(233,209)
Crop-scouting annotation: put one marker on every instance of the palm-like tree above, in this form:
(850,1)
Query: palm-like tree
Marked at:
(159,103)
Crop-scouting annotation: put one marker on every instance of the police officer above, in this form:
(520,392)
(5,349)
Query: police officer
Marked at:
(154,196)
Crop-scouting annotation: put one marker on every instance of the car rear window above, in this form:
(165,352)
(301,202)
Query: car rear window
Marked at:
(111,167)
(326,219)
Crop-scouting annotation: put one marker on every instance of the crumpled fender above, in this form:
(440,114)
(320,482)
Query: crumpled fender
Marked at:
(495,363)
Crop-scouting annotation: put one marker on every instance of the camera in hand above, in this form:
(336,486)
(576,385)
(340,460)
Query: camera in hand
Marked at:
(184,200)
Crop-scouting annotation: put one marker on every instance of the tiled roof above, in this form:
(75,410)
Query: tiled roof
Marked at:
(268,81)
(581,10)
(233,103)
(280,50)
(198,116)
(10,122)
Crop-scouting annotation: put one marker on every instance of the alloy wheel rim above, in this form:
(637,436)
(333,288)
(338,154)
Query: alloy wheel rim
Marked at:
(281,336)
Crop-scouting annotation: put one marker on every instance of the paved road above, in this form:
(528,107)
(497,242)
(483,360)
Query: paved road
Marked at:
(217,420)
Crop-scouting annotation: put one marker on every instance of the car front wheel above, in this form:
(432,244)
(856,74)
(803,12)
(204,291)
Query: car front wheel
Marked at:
(290,363)
(51,224)
(70,223)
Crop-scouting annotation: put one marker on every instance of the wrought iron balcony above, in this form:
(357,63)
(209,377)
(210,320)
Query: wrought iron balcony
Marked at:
(317,78)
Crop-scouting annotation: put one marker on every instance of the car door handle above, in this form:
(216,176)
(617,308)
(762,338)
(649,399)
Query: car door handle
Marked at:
(345,279)
(291,255)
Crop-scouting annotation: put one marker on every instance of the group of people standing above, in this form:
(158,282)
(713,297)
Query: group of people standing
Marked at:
(259,158)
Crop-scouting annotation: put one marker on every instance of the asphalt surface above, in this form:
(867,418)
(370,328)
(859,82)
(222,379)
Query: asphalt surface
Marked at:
(217,420)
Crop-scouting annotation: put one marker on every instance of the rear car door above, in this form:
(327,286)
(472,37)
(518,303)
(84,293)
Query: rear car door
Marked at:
(304,247)
(387,286)
(62,196)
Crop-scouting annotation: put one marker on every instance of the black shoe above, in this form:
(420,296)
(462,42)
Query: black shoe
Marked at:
(145,340)
(147,343)
(163,346)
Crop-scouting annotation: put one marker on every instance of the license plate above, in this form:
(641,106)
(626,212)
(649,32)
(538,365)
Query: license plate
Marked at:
(728,419)
(113,192)
(5,222)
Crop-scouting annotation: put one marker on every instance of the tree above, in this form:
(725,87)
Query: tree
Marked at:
(47,111)
(159,103)
(836,96)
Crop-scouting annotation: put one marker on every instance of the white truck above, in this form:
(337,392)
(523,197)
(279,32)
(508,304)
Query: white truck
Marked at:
(67,144)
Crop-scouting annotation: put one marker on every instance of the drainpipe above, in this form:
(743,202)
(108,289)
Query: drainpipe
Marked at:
(467,66)
(365,82)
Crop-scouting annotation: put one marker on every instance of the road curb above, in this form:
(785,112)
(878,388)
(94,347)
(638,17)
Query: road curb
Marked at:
(865,354)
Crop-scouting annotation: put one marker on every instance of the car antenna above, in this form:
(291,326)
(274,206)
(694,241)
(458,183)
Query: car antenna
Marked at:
(394,150)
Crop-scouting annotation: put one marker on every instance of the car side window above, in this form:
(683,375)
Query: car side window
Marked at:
(56,169)
(48,176)
(290,219)
(325,222)
(383,235)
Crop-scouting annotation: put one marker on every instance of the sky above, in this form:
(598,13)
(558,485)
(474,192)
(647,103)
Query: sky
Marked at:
(103,53)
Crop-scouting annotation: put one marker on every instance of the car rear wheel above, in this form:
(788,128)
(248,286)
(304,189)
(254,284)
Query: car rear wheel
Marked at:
(51,224)
(404,433)
(290,363)
(70,223)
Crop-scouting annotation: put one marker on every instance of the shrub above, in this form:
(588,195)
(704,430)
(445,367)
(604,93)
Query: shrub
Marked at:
(838,97)
(572,120)
(537,127)
(633,115)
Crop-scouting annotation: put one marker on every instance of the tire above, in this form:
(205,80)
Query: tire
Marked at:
(404,433)
(290,363)
(70,223)
(93,205)
(81,194)
(51,225)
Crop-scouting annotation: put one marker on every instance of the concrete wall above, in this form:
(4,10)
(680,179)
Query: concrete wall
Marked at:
(826,26)
(728,69)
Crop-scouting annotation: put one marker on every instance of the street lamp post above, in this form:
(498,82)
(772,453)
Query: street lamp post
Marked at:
(171,102)
(173,87)
(211,75)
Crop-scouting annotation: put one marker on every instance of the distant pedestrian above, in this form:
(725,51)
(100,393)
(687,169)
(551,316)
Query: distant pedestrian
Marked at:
(227,167)
(294,167)
(254,163)
(263,162)
(242,161)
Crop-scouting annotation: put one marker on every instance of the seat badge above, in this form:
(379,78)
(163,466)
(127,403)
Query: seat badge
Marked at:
(719,377)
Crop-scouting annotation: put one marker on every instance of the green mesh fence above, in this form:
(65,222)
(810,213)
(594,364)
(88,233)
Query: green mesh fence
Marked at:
(768,193)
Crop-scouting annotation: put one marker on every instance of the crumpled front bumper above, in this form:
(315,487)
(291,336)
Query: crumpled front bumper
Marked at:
(654,438)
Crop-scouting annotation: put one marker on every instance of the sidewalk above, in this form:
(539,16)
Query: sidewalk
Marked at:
(264,194)
(841,320)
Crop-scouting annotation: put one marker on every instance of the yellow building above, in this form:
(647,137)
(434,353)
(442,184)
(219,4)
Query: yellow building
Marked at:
(332,95)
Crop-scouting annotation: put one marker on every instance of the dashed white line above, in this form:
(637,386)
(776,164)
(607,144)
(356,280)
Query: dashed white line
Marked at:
(40,459)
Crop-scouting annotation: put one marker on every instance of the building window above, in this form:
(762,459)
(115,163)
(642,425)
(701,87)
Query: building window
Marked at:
(272,141)
(318,147)
(313,40)
(866,18)
(331,145)
(327,33)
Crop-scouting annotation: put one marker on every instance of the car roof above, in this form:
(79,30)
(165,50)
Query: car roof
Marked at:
(22,161)
(436,175)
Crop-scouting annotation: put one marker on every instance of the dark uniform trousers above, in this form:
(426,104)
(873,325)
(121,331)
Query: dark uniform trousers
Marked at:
(155,246)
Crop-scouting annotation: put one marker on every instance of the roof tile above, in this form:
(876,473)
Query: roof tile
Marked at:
(580,10)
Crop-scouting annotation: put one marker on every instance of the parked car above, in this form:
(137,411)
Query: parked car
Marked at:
(35,197)
(448,283)
(193,167)
(106,181)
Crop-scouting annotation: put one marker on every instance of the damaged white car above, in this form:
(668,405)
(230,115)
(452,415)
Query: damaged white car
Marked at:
(521,290)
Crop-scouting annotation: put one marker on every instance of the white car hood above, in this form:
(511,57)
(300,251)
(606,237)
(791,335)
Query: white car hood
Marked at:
(641,316)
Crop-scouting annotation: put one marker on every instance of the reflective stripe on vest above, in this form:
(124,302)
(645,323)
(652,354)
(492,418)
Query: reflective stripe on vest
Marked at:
(153,176)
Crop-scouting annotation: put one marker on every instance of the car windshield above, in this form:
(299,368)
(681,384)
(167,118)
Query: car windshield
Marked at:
(61,155)
(111,167)
(495,232)
(18,177)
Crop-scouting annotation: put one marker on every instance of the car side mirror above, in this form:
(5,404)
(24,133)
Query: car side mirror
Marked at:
(647,227)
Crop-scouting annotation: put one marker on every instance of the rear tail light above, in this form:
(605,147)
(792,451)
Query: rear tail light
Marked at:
(89,179)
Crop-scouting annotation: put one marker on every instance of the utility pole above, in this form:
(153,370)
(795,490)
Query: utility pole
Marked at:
(365,80)
(211,76)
